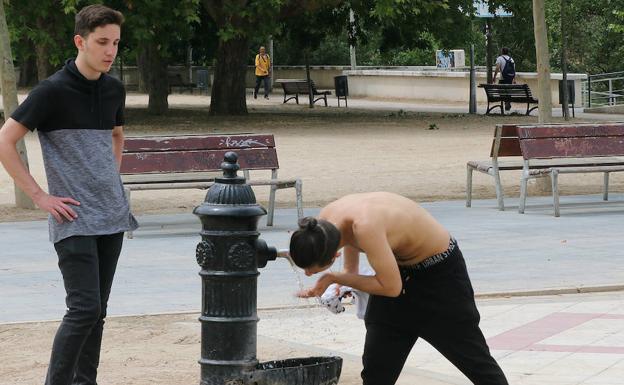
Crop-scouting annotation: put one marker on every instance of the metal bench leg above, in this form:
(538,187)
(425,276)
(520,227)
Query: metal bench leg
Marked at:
(468,186)
(554,174)
(605,192)
(127,192)
(298,191)
(523,193)
(499,190)
(271,205)
(272,199)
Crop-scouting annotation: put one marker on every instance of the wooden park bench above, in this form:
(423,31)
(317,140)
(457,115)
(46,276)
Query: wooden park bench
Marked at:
(506,144)
(294,87)
(193,161)
(508,93)
(566,143)
(175,80)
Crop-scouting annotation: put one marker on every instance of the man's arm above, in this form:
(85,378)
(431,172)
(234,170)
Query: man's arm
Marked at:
(351,259)
(496,71)
(118,144)
(10,133)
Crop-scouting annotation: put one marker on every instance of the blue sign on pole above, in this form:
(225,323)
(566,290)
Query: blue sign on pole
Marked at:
(482,10)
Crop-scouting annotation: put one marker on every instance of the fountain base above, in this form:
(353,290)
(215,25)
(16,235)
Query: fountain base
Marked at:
(298,371)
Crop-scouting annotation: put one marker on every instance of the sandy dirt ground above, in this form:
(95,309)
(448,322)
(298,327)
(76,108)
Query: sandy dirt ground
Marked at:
(143,350)
(335,152)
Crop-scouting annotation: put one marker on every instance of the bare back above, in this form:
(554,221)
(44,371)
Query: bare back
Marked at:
(412,233)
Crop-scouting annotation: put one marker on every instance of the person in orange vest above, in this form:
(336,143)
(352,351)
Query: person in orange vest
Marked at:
(263,72)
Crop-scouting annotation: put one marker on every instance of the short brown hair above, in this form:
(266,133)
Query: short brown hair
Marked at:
(93,16)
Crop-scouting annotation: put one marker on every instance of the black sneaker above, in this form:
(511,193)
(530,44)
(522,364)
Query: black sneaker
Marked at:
(507,107)
(255,95)
(266,97)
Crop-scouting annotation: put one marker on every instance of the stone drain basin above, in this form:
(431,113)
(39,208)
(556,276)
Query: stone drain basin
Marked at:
(298,371)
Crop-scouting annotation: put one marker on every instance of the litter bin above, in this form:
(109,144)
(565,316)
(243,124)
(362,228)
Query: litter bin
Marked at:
(202,80)
(571,95)
(342,88)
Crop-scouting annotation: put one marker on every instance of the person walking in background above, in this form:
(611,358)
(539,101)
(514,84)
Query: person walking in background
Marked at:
(506,66)
(79,115)
(263,72)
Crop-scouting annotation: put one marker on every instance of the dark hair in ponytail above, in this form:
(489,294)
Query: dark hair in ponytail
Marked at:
(315,243)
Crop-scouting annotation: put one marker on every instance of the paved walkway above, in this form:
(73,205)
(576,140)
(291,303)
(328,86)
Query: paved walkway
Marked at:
(506,252)
(411,105)
(573,339)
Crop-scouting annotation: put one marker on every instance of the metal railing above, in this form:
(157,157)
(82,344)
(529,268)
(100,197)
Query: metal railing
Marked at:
(603,89)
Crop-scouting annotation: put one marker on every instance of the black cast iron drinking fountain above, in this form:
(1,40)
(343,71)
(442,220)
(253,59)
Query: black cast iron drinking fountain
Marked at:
(230,254)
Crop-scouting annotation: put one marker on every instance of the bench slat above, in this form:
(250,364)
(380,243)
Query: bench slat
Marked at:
(199,176)
(571,131)
(206,160)
(194,142)
(572,147)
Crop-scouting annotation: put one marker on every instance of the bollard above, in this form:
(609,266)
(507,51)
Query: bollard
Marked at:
(229,255)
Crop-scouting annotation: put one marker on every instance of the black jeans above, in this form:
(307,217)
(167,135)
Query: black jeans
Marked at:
(265,81)
(437,304)
(88,265)
(506,81)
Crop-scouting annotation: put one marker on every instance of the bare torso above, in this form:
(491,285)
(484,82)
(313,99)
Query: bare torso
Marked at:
(412,233)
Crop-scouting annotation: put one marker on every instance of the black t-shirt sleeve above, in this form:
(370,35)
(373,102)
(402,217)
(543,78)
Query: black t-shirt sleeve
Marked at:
(119,116)
(37,107)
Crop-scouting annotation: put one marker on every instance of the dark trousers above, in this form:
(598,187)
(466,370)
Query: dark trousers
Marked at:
(265,80)
(506,81)
(88,265)
(437,305)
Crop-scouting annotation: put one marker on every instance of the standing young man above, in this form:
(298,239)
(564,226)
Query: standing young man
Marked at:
(263,72)
(78,113)
(420,289)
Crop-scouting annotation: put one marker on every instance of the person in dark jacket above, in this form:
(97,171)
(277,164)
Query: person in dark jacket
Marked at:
(79,115)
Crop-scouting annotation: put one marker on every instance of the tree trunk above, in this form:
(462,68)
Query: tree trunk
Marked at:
(43,66)
(306,57)
(142,67)
(44,69)
(158,84)
(9,99)
(564,63)
(228,95)
(543,65)
(28,69)
(488,51)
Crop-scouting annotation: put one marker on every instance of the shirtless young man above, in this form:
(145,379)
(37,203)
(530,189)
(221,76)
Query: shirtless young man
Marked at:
(421,287)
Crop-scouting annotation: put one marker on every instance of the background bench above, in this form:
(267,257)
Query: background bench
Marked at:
(506,144)
(567,142)
(193,161)
(508,93)
(294,87)
(175,80)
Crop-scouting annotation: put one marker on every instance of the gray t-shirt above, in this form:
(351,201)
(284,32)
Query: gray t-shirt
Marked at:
(502,62)
(74,118)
